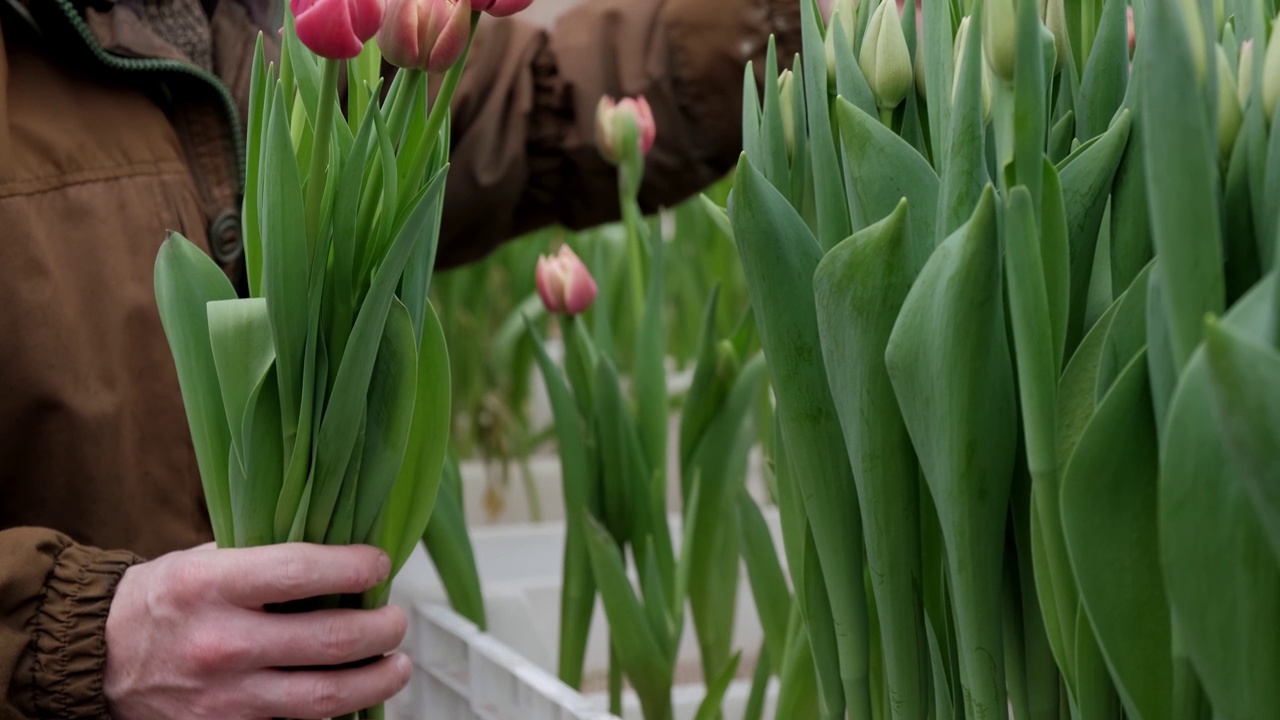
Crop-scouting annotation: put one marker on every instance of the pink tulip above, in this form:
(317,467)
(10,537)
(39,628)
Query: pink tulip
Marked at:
(1132,38)
(608,113)
(337,29)
(500,8)
(425,35)
(564,283)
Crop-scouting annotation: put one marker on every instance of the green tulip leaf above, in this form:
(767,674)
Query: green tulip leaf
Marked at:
(578,589)
(1109,516)
(882,169)
(449,544)
(959,410)
(859,288)
(1086,178)
(186,281)
(392,397)
(1245,391)
(1182,185)
(1220,574)
(779,256)
(638,647)
(336,438)
(408,508)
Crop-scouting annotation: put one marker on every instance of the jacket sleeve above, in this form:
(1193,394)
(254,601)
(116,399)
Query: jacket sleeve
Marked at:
(524,152)
(54,598)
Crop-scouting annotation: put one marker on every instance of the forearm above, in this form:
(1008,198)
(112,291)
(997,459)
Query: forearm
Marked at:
(524,152)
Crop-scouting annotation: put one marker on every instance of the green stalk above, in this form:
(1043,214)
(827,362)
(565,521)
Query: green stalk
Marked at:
(631,217)
(615,681)
(400,103)
(630,173)
(319,173)
(1003,120)
(440,109)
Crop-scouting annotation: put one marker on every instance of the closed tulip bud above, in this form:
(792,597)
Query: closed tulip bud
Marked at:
(787,102)
(844,14)
(885,59)
(609,116)
(336,29)
(1244,75)
(1229,115)
(999,41)
(1133,33)
(500,8)
(564,283)
(962,36)
(1271,76)
(1055,18)
(425,35)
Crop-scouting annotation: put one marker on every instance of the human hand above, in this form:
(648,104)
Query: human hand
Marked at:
(187,636)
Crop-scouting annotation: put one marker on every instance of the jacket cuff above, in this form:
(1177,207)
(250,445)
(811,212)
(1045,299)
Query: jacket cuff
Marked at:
(68,632)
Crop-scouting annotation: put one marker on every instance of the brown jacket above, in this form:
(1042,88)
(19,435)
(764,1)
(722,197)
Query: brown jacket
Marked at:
(119,119)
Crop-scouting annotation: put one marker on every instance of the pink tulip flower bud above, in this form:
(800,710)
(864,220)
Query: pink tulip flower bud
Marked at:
(1133,37)
(608,116)
(500,8)
(425,35)
(564,283)
(336,29)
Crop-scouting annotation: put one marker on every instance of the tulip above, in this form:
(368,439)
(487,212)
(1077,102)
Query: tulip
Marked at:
(564,283)
(844,14)
(609,115)
(336,29)
(1271,76)
(999,21)
(500,8)
(425,35)
(787,103)
(1055,18)
(1133,35)
(885,59)
(1244,75)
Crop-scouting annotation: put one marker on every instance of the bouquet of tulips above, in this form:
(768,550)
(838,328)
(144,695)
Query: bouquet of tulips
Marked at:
(1013,266)
(319,405)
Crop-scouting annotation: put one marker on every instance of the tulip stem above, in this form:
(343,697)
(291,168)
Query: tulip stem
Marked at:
(635,256)
(630,175)
(323,133)
(440,108)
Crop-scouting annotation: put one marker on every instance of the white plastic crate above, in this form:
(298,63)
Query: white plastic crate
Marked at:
(508,674)
(461,673)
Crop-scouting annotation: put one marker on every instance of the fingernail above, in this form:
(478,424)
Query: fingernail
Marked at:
(384,566)
(403,665)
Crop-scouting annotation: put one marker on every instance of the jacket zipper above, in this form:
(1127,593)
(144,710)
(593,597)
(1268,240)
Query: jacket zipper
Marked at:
(153,65)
